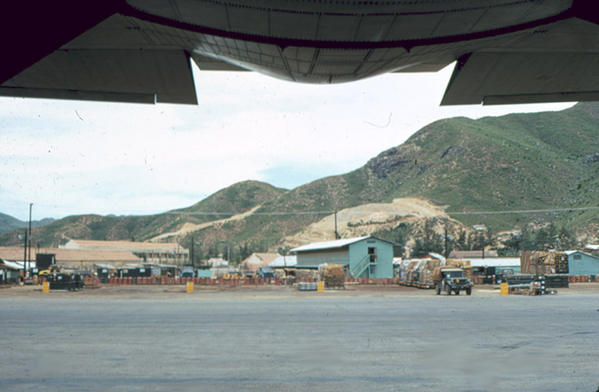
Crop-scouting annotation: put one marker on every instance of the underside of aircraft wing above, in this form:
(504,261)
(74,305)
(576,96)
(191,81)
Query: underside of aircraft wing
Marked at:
(108,75)
(141,50)
(556,63)
(515,78)
(115,61)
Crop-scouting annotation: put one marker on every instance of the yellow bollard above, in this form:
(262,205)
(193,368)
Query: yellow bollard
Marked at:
(503,289)
(320,287)
(190,287)
(45,287)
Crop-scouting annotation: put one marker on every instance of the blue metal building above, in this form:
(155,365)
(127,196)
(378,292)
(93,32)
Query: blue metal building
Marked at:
(581,263)
(363,257)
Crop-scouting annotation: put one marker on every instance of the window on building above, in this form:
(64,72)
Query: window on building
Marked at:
(577,257)
(372,254)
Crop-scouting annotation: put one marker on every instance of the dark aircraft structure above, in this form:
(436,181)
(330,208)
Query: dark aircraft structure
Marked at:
(505,51)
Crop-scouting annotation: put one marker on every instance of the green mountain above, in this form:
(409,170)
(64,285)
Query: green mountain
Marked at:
(238,198)
(8,223)
(497,165)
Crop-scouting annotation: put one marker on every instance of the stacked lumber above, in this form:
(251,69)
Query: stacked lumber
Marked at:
(333,275)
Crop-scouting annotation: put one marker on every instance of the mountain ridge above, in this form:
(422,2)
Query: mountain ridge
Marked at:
(532,161)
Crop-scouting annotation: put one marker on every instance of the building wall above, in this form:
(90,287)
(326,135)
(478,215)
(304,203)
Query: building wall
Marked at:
(384,252)
(328,256)
(587,265)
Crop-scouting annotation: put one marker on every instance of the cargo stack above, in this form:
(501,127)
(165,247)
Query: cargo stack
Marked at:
(425,271)
(543,263)
(333,275)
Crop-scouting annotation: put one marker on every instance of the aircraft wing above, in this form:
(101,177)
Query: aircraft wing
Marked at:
(113,61)
(141,50)
(556,63)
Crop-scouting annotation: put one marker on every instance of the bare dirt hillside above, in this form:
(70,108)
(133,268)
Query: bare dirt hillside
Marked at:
(190,227)
(367,219)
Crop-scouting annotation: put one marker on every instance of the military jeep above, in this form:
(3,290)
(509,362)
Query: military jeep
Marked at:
(448,279)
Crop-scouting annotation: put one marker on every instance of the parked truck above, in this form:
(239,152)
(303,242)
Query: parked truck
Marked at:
(451,278)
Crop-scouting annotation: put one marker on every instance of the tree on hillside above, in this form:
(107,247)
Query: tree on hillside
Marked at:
(427,241)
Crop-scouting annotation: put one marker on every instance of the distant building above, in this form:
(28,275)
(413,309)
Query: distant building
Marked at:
(581,263)
(217,262)
(72,258)
(472,254)
(257,260)
(147,252)
(362,257)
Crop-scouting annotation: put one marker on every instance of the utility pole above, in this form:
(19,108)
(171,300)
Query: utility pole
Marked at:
(446,245)
(192,253)
(336,232)
(29,240)
(25,253)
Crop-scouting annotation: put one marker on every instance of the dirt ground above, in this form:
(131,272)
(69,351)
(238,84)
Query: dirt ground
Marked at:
(208,293)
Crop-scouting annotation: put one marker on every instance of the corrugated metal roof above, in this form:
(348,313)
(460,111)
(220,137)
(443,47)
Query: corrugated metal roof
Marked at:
(569,252)
(465,254)
(122,245)
(337,244)
(495,262)
(17,265)
(71,255)
(284,261)
(329,244)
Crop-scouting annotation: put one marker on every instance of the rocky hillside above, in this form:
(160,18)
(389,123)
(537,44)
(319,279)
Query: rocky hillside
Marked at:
(518,162)
(240,197)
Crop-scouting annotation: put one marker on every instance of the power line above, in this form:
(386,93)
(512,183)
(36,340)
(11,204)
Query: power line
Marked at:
(523,211)
(254,213)
(384,212)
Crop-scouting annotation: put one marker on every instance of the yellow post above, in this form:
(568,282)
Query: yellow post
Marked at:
(45,287)
(320,287)
(503,289)
(190,287)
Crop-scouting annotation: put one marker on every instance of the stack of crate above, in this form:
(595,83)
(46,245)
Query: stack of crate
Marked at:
(333,275)
(425,270)
(546,263)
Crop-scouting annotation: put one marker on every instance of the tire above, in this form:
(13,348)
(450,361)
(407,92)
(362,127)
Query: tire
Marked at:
(448,290)
(438,289)
(469,291)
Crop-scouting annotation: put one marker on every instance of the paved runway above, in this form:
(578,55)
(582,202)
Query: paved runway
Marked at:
(296,343)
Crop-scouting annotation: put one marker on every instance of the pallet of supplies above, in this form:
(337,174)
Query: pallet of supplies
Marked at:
(333,275)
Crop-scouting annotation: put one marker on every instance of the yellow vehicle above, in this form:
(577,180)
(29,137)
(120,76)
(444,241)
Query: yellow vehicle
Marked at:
(46,272)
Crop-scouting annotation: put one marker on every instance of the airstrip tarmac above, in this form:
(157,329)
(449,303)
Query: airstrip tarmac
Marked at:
(387,338)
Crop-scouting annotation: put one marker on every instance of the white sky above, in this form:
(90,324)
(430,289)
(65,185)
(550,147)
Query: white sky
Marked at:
(69,157)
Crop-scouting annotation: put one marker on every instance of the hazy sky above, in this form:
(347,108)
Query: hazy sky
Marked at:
(69,157)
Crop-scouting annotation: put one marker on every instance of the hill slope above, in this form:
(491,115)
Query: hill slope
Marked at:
(532,161)
(8,223)
(239,197)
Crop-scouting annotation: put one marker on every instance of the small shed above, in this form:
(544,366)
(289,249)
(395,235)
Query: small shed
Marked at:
(257,260)
(368,256)
(581,263)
